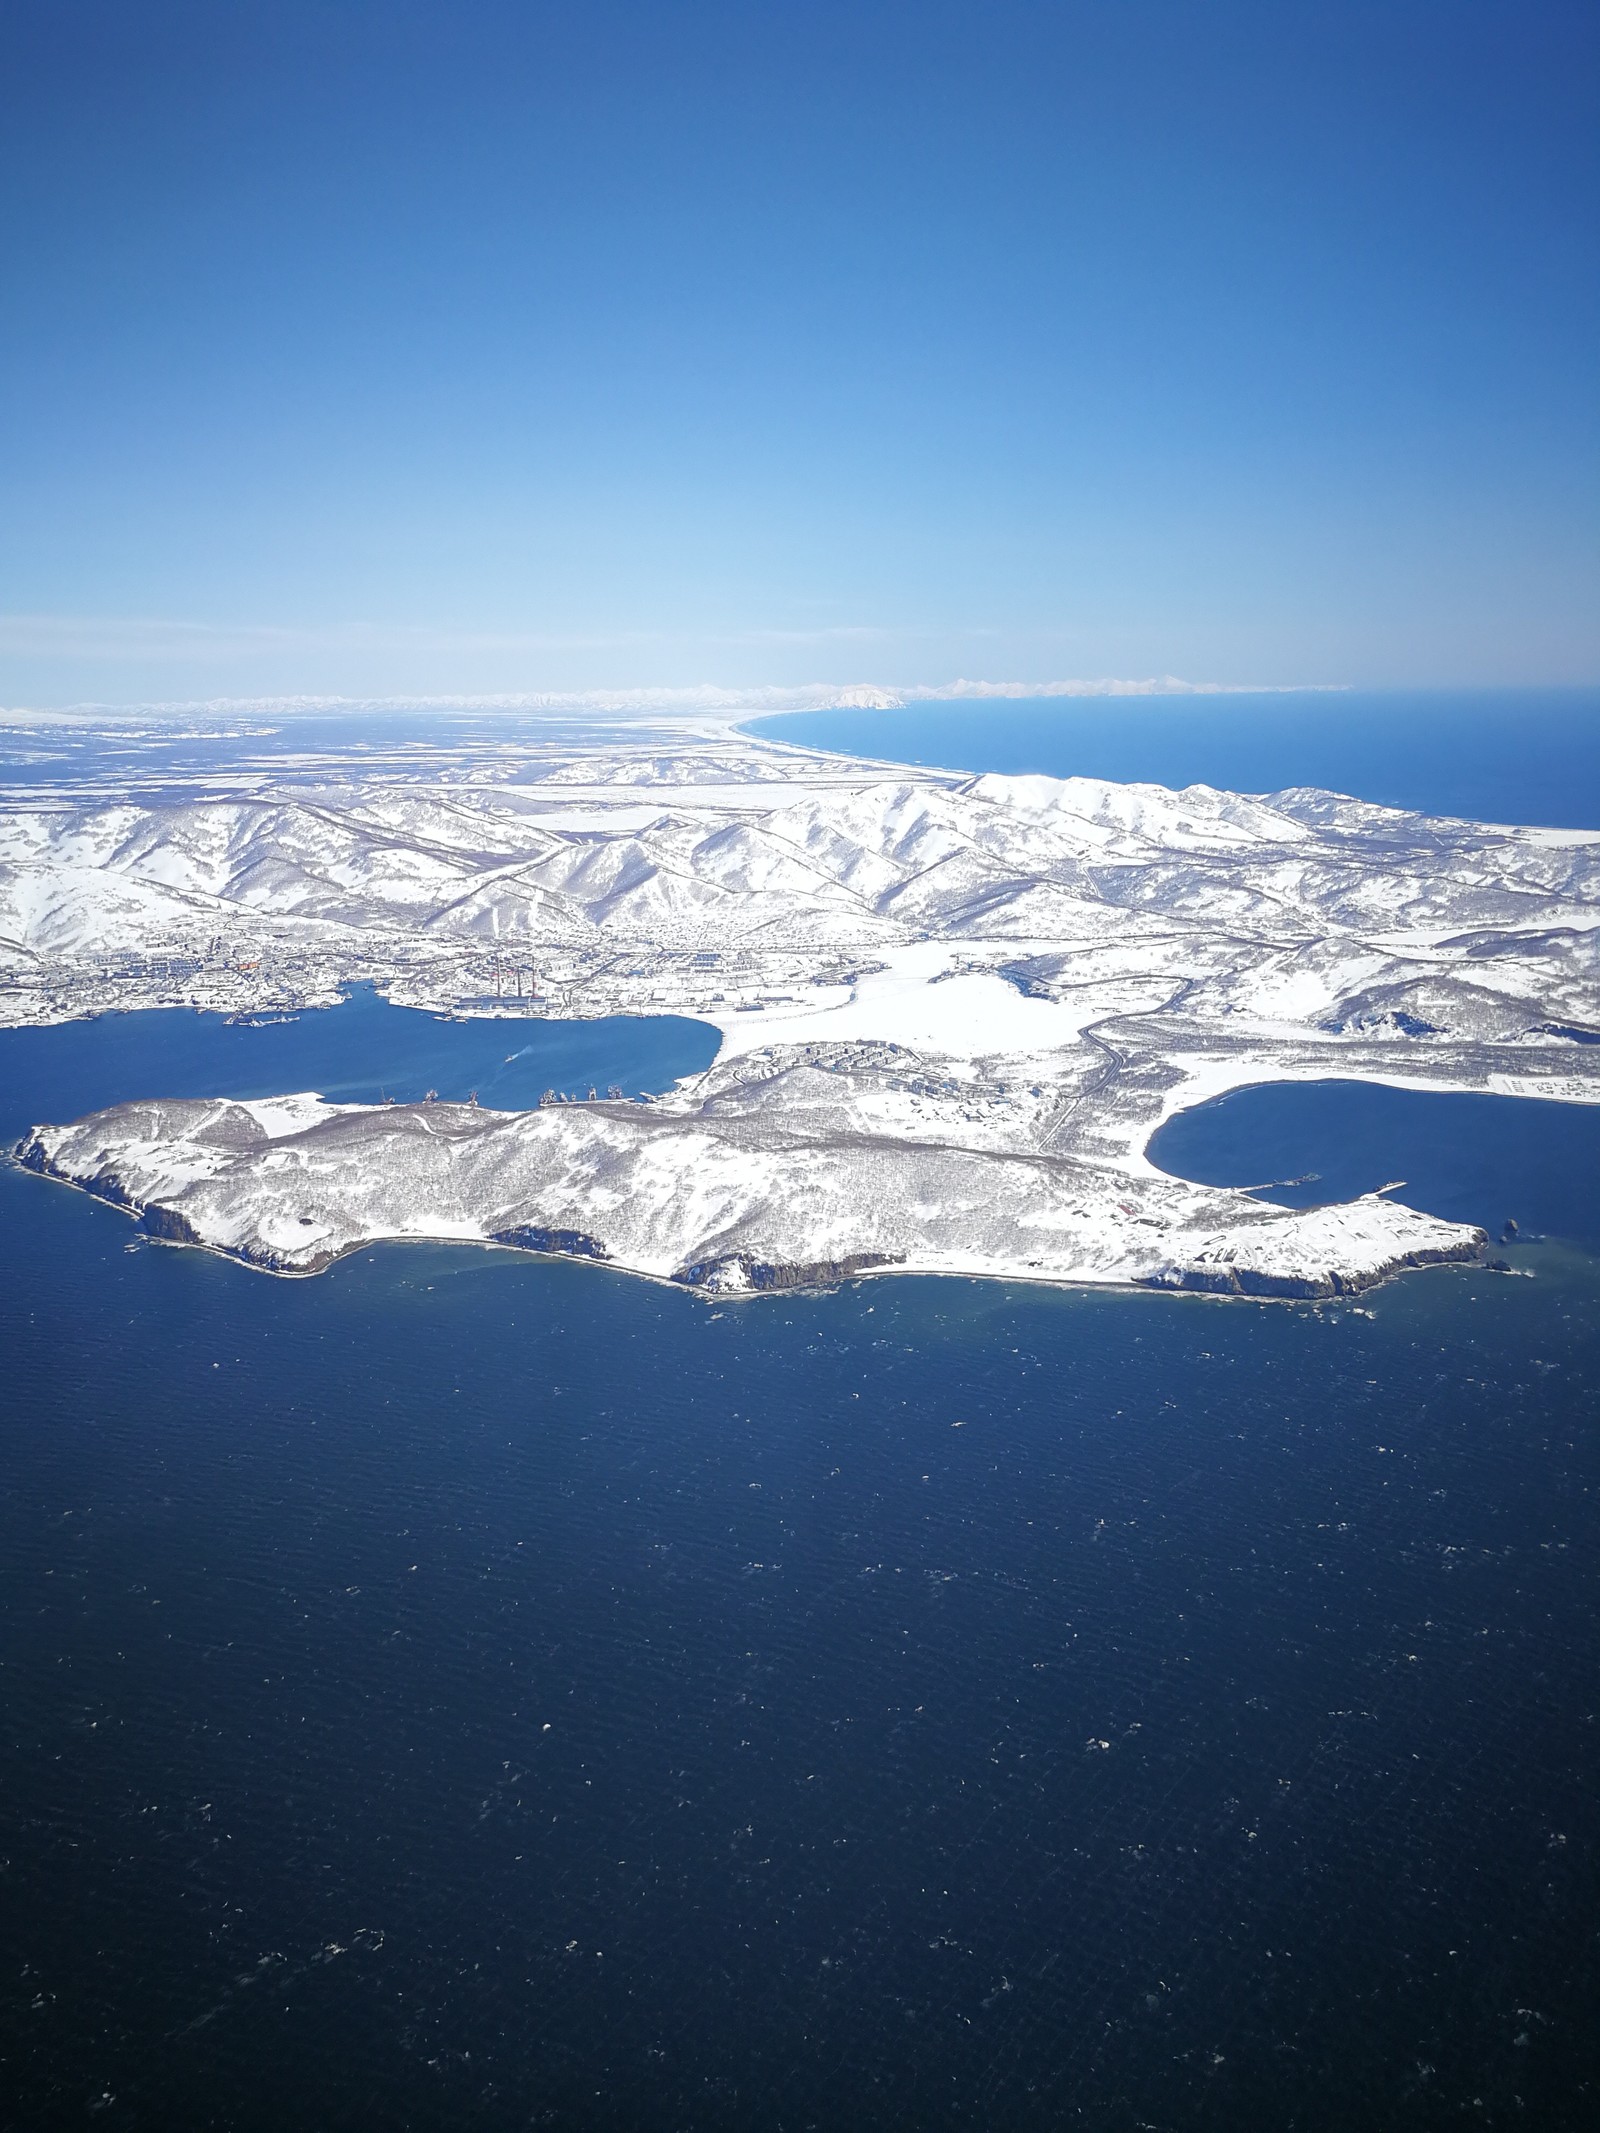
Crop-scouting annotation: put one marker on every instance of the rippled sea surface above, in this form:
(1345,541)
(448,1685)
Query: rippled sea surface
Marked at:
(469,1690)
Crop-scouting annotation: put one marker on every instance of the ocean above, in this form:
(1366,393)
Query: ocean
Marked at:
(465,1690)
(1490,755)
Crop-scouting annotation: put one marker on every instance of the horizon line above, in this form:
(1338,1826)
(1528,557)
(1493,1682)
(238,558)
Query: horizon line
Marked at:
(707,697)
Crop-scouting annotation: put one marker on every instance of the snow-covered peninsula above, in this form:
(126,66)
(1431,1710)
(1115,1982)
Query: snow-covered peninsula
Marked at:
(953,1009)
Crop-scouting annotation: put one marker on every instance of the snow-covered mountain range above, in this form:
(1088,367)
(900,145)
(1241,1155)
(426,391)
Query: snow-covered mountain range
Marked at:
(953,1008)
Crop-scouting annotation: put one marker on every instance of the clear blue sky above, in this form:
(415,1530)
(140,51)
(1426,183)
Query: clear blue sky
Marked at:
(369,348)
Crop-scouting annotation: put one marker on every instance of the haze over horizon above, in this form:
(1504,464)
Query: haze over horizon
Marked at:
(371,352)
(691,698)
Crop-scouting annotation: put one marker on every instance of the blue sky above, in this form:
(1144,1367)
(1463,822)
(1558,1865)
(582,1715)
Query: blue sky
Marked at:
(371,348)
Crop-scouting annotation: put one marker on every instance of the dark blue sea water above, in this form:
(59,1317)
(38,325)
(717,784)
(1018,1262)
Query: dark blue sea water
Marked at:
(1492,755)
(465,1690)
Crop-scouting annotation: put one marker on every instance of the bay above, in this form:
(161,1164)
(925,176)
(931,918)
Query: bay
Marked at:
(1480,1159)
(363,1051)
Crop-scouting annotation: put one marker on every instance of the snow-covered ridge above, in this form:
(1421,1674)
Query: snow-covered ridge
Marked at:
(953,1008)
(723,1201)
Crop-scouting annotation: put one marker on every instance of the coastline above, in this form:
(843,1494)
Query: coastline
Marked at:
(160,1226)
